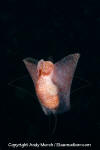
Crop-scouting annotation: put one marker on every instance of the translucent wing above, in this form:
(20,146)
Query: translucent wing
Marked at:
(31,66)
(62,77)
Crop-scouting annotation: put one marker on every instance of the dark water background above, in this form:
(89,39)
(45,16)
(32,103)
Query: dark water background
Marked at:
(46,29)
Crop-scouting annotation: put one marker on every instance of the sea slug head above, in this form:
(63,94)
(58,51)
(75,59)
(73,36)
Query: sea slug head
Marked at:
(45,68)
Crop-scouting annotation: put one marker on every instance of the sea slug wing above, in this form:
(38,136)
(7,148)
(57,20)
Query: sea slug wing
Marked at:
(31,66)
(63,75)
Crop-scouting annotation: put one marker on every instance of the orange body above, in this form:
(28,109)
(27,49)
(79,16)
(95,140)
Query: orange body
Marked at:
(47,92)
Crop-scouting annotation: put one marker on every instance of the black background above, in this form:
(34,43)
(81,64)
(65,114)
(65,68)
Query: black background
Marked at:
(53,29)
